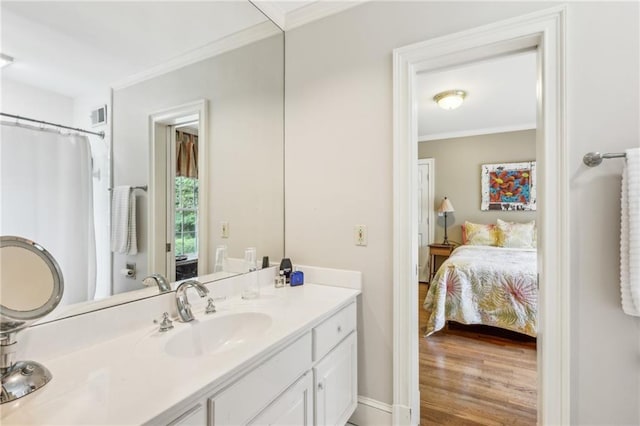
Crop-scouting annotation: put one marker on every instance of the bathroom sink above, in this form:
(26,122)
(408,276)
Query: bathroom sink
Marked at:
(216,334)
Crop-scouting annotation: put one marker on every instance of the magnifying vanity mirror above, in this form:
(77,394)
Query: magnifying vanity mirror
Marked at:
(31,286)
(190,96)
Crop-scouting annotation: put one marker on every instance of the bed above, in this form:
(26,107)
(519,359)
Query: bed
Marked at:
(488,285)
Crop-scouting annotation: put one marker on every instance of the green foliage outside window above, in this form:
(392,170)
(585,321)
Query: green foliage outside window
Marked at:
(186,208)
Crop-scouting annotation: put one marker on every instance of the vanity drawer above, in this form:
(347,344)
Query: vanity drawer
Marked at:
(243,400)
(331,332)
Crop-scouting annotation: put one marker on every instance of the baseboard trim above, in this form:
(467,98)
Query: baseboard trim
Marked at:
(371,412)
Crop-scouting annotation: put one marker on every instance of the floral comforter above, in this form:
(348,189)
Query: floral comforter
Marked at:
(485,285)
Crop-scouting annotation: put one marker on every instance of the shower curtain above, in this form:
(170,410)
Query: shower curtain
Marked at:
(46,196)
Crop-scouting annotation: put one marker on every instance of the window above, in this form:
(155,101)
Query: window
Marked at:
(186,224)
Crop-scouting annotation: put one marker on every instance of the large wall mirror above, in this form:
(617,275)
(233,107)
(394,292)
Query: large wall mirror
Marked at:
(190,96)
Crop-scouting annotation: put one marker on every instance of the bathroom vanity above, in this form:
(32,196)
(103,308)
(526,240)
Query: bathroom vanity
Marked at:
(288,357)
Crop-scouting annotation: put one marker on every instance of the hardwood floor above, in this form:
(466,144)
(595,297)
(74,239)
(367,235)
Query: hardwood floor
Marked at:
(469,377)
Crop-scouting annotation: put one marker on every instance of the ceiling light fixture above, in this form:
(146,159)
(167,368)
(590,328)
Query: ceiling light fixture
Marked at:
(5,60)
(450,99)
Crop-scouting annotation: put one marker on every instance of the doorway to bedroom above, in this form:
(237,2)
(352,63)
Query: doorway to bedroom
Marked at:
(477,298)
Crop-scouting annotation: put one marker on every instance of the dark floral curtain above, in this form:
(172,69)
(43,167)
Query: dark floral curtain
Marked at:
(186,154)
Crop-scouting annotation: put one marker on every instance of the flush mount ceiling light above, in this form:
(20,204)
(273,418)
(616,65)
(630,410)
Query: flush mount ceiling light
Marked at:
(451,99)
(5,60)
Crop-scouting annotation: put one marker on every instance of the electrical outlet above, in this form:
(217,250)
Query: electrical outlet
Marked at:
(224,229)
(360,235)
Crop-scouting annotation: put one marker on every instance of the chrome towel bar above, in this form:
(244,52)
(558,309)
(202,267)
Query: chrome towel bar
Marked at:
(143,187)
(593,159)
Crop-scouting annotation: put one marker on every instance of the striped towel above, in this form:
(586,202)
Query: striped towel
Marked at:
(630,234)
(123,221)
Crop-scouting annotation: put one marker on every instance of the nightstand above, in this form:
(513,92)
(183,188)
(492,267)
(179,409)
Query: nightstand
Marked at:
(438,251)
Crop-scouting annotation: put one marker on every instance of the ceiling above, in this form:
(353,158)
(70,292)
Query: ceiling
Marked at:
(93,45)
(89,45)
(291,14)
(501,96)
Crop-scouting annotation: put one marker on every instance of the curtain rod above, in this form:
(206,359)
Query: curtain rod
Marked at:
(17,117)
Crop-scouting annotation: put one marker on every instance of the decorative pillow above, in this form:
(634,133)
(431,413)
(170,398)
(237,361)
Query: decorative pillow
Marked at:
(516,235)
(480,235)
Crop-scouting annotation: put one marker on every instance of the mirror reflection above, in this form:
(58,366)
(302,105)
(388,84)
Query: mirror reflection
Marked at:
(26,281)
(31,283)
(191,164)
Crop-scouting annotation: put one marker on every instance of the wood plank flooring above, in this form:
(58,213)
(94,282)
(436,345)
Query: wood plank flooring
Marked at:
(470,377)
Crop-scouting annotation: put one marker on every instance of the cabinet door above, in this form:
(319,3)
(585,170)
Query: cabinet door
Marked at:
(293,407)
(247,396)
(195,416)
(336,383)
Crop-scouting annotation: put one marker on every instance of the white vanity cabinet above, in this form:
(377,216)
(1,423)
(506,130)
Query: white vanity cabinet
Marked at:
(336,382)
(311,381)
(336,367)
(294,407)
(247,397)
(194,416)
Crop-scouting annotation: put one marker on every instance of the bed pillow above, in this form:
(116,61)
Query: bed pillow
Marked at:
(477,234)
(516,235)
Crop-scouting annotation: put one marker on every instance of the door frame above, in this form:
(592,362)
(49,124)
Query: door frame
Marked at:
(544,31)
(158,181)
(431,204)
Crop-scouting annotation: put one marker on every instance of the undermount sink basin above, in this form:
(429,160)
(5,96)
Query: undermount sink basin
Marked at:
(216,334)
(206,336)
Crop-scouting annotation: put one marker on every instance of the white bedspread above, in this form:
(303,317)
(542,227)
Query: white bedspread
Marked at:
(485,285)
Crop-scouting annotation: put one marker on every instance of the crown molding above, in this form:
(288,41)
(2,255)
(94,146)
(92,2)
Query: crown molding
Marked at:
(317,10)
(218,47)
(273,12)
(476,132)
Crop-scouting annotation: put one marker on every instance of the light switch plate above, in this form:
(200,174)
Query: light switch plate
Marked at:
(360,235)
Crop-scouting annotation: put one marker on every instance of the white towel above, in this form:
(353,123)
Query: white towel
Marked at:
(123,221)
(630,234)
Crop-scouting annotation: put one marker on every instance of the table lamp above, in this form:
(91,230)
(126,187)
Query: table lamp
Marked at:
(445,207)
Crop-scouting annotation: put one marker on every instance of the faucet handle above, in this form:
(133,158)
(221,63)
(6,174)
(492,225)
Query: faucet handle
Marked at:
(211,308)
(166,324)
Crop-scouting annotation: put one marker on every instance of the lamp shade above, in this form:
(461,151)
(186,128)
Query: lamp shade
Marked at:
(445,206)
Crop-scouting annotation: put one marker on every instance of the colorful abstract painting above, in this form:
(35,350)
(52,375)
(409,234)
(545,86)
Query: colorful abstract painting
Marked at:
(509,186)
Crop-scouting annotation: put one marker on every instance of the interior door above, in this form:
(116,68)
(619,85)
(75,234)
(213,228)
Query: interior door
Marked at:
(171,213)
(183,240)
(425,216)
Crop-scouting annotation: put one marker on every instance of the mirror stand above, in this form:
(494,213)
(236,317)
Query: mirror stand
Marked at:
(31,286)
(19,378)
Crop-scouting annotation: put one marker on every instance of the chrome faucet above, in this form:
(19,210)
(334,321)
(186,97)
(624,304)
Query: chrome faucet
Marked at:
(184,308)
(161,281)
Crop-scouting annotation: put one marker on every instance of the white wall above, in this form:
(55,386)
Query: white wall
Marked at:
(33,102)
(605,342)
(339,173)
(244,88)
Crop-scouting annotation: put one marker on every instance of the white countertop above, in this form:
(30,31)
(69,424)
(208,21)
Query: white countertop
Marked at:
(120,381)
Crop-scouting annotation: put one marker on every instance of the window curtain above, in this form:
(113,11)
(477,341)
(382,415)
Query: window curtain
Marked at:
(186,155)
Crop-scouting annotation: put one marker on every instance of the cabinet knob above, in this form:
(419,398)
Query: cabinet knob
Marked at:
(339,329)
(320,386)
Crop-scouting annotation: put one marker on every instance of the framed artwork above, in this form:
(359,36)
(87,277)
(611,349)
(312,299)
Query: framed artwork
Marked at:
(509,186)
